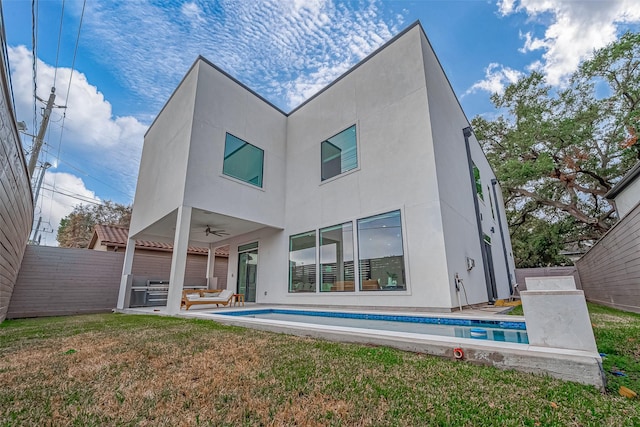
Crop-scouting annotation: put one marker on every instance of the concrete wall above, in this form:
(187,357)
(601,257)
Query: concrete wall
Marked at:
(163,165)
(610,271)
(224,106)
(522,273)
(16,200)
(63,281)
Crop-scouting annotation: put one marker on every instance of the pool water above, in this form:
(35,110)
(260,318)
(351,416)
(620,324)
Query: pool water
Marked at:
(493,330)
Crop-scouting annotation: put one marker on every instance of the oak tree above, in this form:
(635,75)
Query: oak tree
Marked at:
(76,229)
(558,151)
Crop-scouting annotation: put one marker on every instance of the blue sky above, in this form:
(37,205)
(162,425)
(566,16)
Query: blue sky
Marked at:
(132,54)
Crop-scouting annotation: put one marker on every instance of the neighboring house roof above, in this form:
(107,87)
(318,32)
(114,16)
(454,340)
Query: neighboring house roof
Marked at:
(116,236)
(624,182)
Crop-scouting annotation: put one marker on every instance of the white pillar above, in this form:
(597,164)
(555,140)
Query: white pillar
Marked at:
(209,265)
(179,259)
(124,296)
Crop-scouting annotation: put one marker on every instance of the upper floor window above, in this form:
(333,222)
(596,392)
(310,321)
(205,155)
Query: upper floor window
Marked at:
(339,153)
(243,161)
(476,176)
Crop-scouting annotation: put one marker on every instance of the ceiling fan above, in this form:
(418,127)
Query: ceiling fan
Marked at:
(218,233)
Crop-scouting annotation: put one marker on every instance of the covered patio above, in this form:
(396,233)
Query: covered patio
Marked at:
(183,227)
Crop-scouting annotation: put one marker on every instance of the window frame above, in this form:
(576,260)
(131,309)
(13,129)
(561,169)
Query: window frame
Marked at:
(353,252)
(477,176)
(357,155)
(405,271)
(239,179)
(290,289)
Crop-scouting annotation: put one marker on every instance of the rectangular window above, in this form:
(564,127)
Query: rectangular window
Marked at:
(493,215)
(336,258)
(381,256)
(339,153)
(476,175)
(243,161)
(302,262)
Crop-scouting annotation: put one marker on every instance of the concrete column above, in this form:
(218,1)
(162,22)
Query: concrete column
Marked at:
(209,265)
(124,296)
(558,318)
(179,259)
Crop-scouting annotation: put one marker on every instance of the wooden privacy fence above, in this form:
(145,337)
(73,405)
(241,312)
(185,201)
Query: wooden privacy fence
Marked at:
(610,271)
(16,200)
(521,273)
(62,281)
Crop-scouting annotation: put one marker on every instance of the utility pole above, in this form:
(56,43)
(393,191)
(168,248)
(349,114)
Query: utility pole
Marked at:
(46,166)
(35,153)
(35,231)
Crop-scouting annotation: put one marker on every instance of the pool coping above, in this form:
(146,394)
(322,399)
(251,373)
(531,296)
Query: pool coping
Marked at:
(571,365)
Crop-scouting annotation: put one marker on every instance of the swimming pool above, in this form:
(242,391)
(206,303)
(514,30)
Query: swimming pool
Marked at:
(493,330)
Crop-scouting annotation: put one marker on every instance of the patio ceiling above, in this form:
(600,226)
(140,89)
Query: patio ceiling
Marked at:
(221,227)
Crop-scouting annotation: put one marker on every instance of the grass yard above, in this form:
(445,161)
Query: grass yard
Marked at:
(618,338)
(116,369)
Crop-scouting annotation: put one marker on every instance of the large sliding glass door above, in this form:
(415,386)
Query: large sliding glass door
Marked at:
(247,270)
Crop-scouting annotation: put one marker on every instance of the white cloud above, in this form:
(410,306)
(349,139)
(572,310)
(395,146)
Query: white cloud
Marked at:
(104,148)
(506,6)
(531,43)
(60,192)
(288,42)
(101,141)
(574,31)
(304,87)
(497,77)
(192,12)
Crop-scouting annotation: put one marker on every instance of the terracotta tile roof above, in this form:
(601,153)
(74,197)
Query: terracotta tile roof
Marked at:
(115,235)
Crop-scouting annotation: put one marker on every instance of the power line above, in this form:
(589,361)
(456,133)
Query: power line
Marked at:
(34,61)
(71,195)
(55,73)
(73,65)
(72,166)
(75,51)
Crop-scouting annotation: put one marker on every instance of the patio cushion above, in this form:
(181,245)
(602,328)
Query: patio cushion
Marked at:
(193,296)
(211,294)
(225,294)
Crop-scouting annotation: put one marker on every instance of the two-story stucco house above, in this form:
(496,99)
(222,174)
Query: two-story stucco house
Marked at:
(374,192)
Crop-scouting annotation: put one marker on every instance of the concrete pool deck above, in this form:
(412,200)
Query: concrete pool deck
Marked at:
(571,365)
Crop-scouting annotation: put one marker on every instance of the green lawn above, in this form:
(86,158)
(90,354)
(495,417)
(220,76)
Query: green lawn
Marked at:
(115,369)
(618,338)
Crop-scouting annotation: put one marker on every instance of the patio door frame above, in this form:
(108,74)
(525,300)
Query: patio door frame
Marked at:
(249,270)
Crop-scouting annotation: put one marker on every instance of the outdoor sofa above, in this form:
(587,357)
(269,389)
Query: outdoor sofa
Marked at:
(203,296)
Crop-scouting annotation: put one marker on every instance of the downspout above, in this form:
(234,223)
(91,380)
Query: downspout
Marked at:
(504,246)
(467,132)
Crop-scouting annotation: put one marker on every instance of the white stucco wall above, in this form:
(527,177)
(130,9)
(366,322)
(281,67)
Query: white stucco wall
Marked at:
(456,193)
(163,166)
(222,106)
(411,157)
(386,98)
